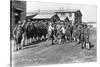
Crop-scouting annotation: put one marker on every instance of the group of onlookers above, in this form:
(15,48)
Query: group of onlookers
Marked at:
(25,33)
(79,33)
(31,31)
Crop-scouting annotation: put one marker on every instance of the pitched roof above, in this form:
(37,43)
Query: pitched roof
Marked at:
(66,19)
(43,16)
(68,10)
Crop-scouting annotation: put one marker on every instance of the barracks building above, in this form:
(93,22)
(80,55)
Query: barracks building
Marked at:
(59,16)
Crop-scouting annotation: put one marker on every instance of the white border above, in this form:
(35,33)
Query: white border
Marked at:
(5,32)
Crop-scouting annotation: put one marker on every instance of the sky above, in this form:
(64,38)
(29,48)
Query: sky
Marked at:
(89,12)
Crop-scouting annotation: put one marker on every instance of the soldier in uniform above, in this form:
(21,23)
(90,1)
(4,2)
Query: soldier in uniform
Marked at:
(81,34)
(55,33)
(63,32)
(74,32)
(17,32)
(51,33)
(58,34)
(78,33)
(86,43)
(68,32)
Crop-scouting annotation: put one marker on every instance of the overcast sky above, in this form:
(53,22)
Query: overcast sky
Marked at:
(88,11)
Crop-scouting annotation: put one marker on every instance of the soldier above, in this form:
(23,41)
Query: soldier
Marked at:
(55,32)
(78,33)
(74,35)
(63,32)
(24,33)
(51,33)
(17,32)
(74,32)
(58,33)
(86,43)
(68,32)
(81,34)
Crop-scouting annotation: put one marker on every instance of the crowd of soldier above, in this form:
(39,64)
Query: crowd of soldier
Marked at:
(33,31)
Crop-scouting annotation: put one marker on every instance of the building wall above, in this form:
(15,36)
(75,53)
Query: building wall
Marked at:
(53,19)
(63,16)
(74,17)
(21,5)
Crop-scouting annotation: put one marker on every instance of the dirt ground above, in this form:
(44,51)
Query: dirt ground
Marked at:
(56,54)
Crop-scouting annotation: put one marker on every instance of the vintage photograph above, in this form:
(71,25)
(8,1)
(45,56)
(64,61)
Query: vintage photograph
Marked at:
(45,33)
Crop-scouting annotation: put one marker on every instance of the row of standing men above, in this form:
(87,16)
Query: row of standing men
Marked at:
(57,33)
(26,32)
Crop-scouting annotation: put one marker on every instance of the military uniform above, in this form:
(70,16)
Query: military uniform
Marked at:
(86,34)
(18,35)
(51,33)
(78,33)
(81,35)
(86,43)
(74,31)
(63,31)
(68,33)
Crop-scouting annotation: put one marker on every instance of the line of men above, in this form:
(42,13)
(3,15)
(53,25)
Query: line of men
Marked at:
(57,33)
(24,33)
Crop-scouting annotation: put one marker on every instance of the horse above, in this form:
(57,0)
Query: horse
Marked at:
(36,31)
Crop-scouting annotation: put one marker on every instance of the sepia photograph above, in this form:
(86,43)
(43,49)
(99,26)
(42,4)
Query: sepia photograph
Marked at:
(46,33)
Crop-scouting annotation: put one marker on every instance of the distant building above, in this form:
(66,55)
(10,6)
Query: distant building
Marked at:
(59,16)
(29,17)
(46,17)
(91,24)
(74,16)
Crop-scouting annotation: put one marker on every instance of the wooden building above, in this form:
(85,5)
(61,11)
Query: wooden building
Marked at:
(74,16)
(29,16)
(46,18)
